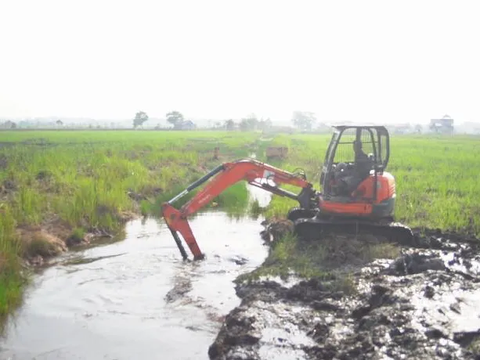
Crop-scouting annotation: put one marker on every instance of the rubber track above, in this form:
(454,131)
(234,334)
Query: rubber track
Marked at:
(312,229)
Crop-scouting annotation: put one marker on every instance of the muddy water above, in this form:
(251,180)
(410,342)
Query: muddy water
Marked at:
(136,298)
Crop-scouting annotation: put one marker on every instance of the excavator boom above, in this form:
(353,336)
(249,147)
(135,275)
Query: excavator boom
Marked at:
(254,172)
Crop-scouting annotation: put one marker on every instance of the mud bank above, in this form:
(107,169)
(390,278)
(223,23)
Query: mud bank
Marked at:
(41,244)
(423,304)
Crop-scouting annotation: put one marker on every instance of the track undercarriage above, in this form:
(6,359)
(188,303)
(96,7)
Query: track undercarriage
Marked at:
(312,224)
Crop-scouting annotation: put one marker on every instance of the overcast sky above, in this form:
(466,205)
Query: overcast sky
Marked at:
(363,60)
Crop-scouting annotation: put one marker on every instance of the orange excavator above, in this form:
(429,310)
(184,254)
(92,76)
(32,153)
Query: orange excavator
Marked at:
(358,194)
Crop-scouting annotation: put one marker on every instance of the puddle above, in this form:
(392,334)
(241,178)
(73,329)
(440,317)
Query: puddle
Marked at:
(136,298)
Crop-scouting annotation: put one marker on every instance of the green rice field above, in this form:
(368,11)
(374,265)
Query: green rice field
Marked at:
(78,181)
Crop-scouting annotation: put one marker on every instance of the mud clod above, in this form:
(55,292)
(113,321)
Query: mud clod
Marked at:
(239,260)
(435,333)
(429,292)
(416,263)
(276,230)
(319,332)
(466,338)
(182,286)
(238,334)
(325,306)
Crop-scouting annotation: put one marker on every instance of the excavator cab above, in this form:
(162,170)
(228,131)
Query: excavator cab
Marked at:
(358,195)
(353,179)
(354,153)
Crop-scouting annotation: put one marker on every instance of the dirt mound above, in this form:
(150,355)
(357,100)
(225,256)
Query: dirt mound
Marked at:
(275,230)
(38,244)
(420,305)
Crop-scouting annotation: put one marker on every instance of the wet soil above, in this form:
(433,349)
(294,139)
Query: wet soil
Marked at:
(425,304)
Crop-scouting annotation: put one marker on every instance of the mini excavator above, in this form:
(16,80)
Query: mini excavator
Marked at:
(358,195)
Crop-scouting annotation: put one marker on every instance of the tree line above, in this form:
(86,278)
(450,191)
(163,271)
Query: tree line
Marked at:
(300,119)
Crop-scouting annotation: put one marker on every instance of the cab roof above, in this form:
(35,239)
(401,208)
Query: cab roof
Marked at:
(363,126)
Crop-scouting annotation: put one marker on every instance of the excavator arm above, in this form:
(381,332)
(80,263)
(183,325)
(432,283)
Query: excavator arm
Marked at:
(254,172)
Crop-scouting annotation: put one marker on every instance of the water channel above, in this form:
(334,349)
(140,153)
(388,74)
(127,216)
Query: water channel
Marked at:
(136,298)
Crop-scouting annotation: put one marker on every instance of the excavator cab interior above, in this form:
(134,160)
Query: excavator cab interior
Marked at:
(354,154)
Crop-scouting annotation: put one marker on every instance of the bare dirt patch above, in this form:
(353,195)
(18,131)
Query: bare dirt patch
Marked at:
(38,244)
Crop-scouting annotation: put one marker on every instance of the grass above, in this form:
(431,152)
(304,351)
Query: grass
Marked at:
(255,210)
(11,279)
(85,182)
(330,260)
(78,234)
(40,246)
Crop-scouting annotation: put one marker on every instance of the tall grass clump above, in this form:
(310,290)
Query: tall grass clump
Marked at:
(10,268)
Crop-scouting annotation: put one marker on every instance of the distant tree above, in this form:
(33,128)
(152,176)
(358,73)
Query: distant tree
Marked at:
(230,125)
(303,120)
(252,122)
(418,128)
(249,123)
(243,125)
(140,118)
(264,124)
(9,125)
(175,118)
(59,123)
